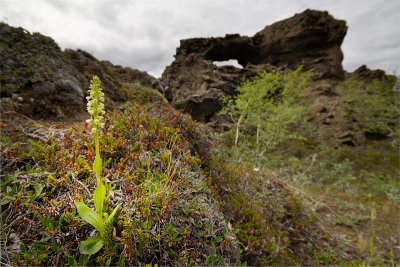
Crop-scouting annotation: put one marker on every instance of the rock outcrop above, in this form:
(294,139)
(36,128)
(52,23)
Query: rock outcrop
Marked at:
(40,80)
(195,84)
(364,74)
(34,68)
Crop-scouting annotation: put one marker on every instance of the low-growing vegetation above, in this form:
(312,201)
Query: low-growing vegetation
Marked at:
(375,106)
(344,184)
(273,225)
(173,192)
(150,167)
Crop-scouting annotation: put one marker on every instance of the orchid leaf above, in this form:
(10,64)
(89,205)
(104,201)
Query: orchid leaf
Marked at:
(89,216)
(91,245)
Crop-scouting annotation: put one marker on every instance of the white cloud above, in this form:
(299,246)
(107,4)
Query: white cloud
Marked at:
(144,34)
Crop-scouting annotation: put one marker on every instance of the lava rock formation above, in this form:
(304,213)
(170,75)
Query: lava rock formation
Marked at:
(196,85)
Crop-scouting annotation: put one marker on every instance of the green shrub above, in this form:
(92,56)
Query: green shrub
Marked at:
(375,106)
(267,105)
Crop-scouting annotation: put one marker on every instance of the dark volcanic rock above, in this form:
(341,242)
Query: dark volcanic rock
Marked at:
(34,66)
(50,82)
(312,38)
(196,85)
(366,75)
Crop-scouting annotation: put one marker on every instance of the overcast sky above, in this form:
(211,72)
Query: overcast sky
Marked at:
(144,34)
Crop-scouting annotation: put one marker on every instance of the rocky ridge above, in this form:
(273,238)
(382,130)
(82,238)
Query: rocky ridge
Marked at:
(40,80)
(195,84)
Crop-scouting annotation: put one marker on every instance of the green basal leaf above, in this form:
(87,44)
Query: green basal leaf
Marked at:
(111,217)
(92,245)
(89,216)
(99,196)
(97,166)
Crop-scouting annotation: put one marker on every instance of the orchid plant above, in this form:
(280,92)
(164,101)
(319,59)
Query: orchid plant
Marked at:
(97,219)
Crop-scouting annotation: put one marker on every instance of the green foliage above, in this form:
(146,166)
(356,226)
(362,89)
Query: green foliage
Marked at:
(353,171)
(267,105)
(37,255)
(171,233)
(91,245)
(20,190)
(375,106)
(350,220)
(143,96)
(10,188)
(82,261)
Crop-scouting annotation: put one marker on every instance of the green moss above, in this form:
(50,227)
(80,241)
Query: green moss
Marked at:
(143,95)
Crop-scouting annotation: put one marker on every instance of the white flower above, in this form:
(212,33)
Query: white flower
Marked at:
(95,105)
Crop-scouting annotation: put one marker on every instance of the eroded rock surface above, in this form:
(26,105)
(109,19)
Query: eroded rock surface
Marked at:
(365,74)
(196,85)
(40,80)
